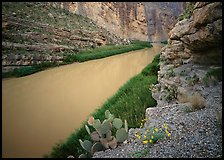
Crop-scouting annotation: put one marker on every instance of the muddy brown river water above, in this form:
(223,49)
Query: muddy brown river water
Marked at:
(41,109)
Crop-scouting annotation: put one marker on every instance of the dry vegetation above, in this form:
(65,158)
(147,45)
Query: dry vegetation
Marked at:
(197,101)
(183,98)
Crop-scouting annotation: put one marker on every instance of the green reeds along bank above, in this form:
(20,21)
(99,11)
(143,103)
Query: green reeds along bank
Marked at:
(106,51)
(91,54)
(27,70)
(130,103)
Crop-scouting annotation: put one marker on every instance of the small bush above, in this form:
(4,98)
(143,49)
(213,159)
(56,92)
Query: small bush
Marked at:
(141,43)
(152,135)
(171,93)
(164,42)
(213,76)
(197,101)
(183,98)
(187,12)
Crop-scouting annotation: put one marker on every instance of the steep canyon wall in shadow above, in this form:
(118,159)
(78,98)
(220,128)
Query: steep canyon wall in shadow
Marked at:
(131,20)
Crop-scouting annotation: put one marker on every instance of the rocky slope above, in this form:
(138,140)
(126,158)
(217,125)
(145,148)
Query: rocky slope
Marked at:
(131,20)
(191,108)
(36,32)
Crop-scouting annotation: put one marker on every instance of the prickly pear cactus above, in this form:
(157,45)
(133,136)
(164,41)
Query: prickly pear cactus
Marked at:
(113,143)
(97,147)
(95,136)
(105,127)
(121,135)
(102,136)
(96,124)
(117,123)
(87,145)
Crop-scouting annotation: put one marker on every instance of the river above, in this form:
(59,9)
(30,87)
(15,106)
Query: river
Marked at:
(41,109)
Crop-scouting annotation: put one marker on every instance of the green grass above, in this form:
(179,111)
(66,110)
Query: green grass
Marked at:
(187,11)
(27,70)
(212,76)
(164,42)
(105,51)
(129,102)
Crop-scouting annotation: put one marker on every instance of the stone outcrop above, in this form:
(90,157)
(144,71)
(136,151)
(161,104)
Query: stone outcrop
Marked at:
(192,41)
(199,36)
(131,20)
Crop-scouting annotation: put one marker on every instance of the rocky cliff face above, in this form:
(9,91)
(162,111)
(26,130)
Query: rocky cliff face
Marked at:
(192,42)
(199,36)
(161,18)
(132,20)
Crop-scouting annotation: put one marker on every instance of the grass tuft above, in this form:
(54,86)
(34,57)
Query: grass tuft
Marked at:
(197,101)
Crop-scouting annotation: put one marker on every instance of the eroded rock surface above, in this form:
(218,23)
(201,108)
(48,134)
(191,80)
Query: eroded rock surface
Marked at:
(131,20)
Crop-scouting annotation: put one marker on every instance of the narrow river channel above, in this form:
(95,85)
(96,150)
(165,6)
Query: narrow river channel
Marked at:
(41,109)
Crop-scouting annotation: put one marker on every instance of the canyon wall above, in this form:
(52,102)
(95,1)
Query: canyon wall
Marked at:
(132,20)
(194,47)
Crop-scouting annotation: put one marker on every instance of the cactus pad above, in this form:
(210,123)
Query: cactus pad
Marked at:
(97,147)
(126,125)
(91,120)
(113,143)
(87,129)
(83,156)
(99,132)
(121,135)
(107,113)
(111,118)
(104,142)
(117,123)
(95,136)
(96,123)
(106,127)
(87,145)
(109,136)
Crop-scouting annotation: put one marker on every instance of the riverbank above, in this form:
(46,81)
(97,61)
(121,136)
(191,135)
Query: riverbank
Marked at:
(130,103)
(90,54)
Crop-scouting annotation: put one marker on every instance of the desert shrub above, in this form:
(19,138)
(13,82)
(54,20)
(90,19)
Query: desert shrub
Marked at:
(213,76)
(187,12)
(164,42)
(183,98)
(197,101)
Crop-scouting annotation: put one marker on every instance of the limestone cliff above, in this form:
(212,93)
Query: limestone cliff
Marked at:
(132,20)
(193,41)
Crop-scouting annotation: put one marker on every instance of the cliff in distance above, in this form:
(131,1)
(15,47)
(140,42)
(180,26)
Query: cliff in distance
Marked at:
(131,20)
